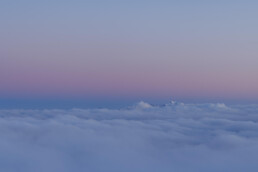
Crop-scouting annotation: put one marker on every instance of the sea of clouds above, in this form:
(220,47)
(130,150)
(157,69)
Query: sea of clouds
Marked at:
(175,137)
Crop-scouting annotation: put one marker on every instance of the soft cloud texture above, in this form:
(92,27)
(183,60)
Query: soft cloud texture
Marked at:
(173,137)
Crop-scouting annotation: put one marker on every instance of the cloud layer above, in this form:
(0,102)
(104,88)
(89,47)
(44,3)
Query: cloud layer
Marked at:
(143,138)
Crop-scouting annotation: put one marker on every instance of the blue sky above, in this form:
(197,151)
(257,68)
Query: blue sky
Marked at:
(130,50)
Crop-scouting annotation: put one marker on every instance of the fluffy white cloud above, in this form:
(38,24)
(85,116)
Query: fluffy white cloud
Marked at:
(144,138)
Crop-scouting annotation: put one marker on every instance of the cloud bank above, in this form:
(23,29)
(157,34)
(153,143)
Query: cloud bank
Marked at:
(175,137)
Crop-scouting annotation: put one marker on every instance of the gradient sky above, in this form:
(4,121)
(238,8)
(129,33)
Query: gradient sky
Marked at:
(129,49)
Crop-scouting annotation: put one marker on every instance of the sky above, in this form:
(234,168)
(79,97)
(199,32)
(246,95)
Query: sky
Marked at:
(128,50)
